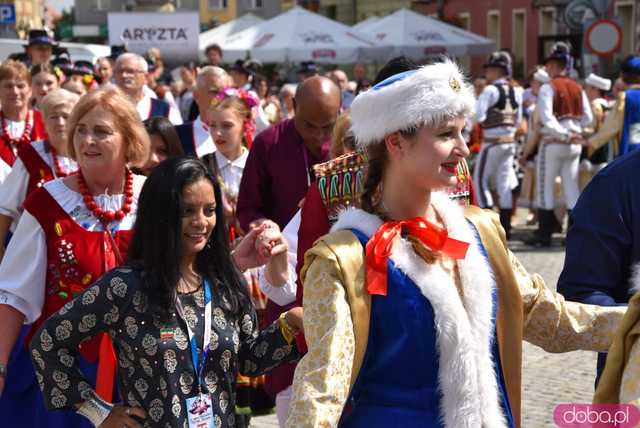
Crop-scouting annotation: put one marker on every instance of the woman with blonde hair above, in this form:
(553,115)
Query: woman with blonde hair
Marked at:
(72,231)
(38,162)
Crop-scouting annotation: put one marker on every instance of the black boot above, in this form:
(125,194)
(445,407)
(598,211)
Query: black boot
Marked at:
(542,237)
(505,221)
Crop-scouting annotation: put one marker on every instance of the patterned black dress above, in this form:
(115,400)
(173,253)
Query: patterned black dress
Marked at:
(155,369)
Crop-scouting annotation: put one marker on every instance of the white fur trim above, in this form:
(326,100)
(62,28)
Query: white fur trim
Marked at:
(464,327)
(428,97)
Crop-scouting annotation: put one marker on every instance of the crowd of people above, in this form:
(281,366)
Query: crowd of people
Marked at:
(194,247)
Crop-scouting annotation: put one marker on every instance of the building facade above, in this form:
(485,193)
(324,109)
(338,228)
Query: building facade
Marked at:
(353,11)
(30,15)
(266,9)
(528,28)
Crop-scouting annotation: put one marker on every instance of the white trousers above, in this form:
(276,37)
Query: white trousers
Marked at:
(557,160)
(283,399)
(495,165)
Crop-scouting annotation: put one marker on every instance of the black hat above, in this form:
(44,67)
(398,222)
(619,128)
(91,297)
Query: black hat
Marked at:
(40,37)
(560,51)
(631,65)
(308,67)
(117,50)
(239,67)
(82,68)
(63,62)
(500,59)
(20,57)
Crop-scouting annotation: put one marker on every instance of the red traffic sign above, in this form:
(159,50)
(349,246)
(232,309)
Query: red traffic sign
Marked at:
(604,37)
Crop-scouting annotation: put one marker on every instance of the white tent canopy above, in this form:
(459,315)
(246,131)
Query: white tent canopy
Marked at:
(417,36)
(299,35)
(219,34)
(362,26)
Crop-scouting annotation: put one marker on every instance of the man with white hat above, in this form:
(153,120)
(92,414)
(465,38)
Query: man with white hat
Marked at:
(595,87)
(499,113)
(564,112)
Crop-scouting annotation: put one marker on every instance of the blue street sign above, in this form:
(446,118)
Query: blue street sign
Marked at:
(7,14)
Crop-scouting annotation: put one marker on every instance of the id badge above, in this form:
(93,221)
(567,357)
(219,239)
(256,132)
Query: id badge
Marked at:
(200,411)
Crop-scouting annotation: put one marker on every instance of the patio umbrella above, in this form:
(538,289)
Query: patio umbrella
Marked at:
(363,25)
(418,36)
(300,35)
(219,34)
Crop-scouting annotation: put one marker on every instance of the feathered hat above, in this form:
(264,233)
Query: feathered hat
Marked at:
(500,59)
(561,51)
(427,96)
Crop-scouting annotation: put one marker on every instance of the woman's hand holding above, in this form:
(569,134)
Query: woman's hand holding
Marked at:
(294,318)
(122,416)
(275,245)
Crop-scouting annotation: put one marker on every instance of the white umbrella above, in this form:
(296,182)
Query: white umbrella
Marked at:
(219,34)
(362,26)
(299,35)
(417,36)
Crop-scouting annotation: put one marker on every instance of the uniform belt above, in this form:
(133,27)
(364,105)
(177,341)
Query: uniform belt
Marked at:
(552,140)
(499,140)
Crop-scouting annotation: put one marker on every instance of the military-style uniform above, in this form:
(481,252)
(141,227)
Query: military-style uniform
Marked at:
(499,113)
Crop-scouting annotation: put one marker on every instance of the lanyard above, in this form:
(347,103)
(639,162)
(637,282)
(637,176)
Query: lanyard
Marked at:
(306,164)
(199,365)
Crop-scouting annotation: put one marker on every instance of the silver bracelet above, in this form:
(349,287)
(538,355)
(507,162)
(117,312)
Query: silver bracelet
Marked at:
(95,409)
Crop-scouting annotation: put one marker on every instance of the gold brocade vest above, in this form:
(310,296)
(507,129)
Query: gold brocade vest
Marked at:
(509,322)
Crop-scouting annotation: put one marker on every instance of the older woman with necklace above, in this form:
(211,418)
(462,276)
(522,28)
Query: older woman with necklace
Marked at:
(73,230)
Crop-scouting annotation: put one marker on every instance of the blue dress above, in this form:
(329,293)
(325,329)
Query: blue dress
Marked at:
(397,385)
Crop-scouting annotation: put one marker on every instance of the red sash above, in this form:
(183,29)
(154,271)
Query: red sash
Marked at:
(39,171)
(76,258)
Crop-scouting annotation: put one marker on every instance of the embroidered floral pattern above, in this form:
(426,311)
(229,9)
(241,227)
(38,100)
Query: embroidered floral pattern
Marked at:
(155,372)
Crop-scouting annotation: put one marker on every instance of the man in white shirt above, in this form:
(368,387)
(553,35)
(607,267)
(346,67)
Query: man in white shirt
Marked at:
(130,76)
(564,112)
(194,136)
(499,113)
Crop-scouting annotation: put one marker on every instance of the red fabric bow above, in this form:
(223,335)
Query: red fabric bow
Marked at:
(379,248)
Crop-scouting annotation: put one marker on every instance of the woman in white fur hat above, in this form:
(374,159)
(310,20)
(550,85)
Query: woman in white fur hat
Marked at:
(400,299)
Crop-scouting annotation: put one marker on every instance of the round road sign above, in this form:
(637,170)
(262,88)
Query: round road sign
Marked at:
(604,37)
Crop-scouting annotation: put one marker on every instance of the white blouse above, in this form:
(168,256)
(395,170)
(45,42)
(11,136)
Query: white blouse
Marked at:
(23,270)
(15,130)
(231,171)
(286,293)
(13,191)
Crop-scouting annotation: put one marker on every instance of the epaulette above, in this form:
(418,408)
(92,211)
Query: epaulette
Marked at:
(341,181)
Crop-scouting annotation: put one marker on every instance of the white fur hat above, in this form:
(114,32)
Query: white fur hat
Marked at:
(598,82)
(542,76)
(427,96)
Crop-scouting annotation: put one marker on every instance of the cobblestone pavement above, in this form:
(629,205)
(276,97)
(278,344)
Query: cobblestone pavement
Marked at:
(548,379)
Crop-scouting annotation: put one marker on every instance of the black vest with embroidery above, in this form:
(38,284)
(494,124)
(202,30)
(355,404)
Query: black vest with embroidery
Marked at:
(505,111)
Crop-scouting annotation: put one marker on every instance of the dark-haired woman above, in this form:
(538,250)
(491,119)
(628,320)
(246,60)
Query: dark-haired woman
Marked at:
(179,316)
(416,309)
(165,142)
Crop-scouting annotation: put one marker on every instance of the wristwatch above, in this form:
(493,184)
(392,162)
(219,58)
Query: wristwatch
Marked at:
(3,370)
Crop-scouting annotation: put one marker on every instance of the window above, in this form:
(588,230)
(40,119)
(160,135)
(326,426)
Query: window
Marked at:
(519,42)
(103,4)
(217,4)
(255,4)
(464,19)
(625,13)
(493,26)
(547,22)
